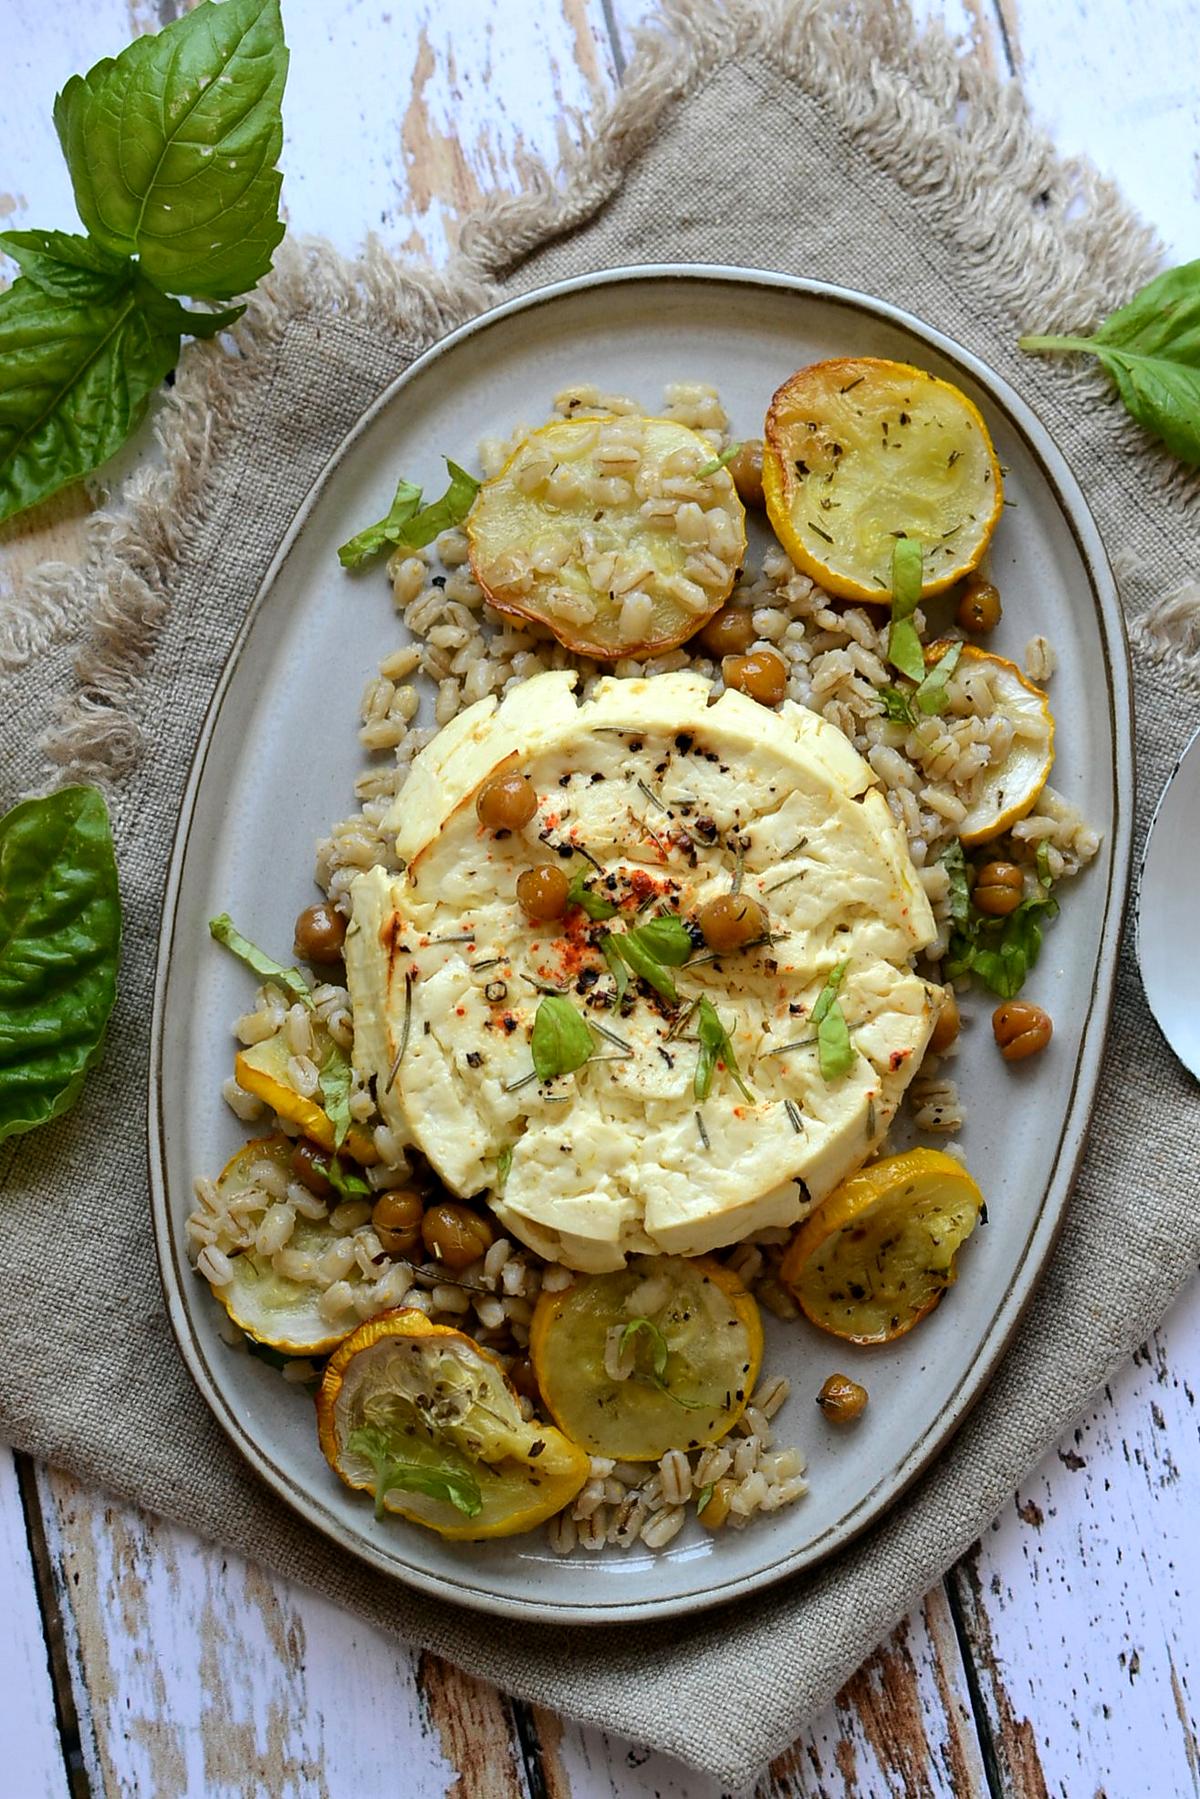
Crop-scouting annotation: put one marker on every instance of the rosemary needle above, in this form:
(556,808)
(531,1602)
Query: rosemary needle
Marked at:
(404,1031)
(700,1126)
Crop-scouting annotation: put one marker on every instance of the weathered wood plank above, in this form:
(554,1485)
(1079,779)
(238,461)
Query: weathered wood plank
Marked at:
(196,1674)
(1081,1603)
(33,1753)
(902,1726)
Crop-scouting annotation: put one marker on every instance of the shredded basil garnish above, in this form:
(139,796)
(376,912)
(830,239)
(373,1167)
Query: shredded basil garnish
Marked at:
(596,905)
(904,646)
(835,1056)
(716,1045)
(455,1486)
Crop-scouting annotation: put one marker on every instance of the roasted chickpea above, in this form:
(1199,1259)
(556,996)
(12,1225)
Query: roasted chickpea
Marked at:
(506,802)
(542,891)
(714,1514)
(946,1028)
(1021,1029)
(308,1164)
(762,675)
(998,888)
(731,920)
(979,608)
(842,1399)
(320,934)
(746,469)
(455,1235)
(521,1374)
(396,1217)
(727,633)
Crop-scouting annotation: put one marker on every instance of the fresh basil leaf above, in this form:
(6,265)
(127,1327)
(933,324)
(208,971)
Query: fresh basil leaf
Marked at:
(172,144)
(336,1080)
(595,905)
(894,704)
(666,939)
(63,264)
(455,1486)
(503,1167)
(716,1045)
(904,645)
(1151,348)
(288,980)
(953,861)
(616,966)
(718,462)
(561,1041)
(60,940)
(703,1497)
(828,994)
(931,695)
(379,536)
(76,375)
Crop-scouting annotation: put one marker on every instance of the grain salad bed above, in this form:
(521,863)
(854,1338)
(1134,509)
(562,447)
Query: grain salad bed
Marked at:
(459,651)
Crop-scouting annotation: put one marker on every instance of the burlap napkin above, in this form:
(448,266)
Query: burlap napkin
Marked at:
(818,138)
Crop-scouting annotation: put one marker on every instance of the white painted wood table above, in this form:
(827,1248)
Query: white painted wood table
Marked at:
(1059,1656)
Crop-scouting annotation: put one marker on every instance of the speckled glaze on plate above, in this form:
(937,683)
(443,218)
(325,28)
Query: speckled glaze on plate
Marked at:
(276,764)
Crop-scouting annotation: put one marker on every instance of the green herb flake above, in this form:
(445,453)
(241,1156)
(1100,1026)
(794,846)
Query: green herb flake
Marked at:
(716,1045)
(718,462)
(931,696)
(386,532)
(288,980)
(561,1040)
(703,1497)
(454,1486)
(595,905)
(835,1056)
(344,1181)
(616,965)
(954,862)
(336,1080)
(895,704)
(904,645)
(412,529)
(650,951)
(503,1167)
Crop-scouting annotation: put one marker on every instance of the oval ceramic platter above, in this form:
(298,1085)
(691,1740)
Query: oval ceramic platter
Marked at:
(277,763)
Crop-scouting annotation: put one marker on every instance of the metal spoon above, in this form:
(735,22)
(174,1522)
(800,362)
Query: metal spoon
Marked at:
(1166,910)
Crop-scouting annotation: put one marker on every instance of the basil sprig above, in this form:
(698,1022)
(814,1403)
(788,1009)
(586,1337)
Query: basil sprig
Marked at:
(393,1470)
(409,525)
(596,905)
(716,1045)
(60,941)
(835,1056)
(650,951)
(904,646)
(171,148)
(1151,348)
(561,1040)
(1001,951)
(334,1072)
(656,1374)
(718,462)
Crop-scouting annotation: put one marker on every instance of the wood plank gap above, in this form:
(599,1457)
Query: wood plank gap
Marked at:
(529,1743)
(65,1714)
(979,1710)
(1012,52)
(614,38)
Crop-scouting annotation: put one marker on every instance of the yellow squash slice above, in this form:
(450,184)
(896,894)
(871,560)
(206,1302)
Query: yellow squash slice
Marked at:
(263,1071)
(859,451)
(420,1416)
(281,1313)
(879,1252)
(1006,792)
(685,1334)
(607,530)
